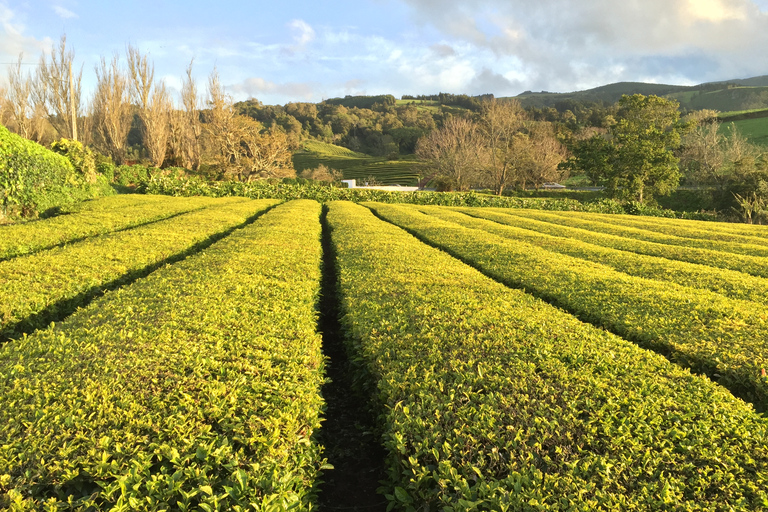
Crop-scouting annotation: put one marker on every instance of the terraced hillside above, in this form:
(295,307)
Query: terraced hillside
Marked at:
(357,166)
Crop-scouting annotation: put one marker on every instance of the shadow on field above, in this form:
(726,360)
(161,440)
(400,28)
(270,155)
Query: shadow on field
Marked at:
(348,432)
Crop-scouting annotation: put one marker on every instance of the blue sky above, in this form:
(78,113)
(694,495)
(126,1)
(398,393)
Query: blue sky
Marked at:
(311,50)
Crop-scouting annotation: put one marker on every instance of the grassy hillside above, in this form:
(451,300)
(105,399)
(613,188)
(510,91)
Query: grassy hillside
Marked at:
(357,166)
(733,95)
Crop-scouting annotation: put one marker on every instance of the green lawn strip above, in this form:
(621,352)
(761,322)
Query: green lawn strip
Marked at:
(730,283)
(196,388)
(101,216)
(698,329)
(555,225)
(494,400)
(600,226)
(48,285)
(682,228)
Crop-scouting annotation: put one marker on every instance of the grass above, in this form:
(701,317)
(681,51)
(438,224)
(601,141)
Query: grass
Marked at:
(357,166)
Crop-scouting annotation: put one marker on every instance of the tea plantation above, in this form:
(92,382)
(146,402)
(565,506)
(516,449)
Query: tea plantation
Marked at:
(161,353)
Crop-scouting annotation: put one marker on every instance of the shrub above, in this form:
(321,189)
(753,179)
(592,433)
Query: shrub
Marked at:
(34,179)
(81,157)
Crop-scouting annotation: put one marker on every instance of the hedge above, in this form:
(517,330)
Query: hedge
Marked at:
(34,179)
(196,388)
(91,218)
(493,400)
(698,329)
(730,283)
(175,185)
(544,222)
(45,286)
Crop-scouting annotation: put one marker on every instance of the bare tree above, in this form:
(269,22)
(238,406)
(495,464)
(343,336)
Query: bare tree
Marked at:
(239,145)
(19,100)
(500,121)
(58,90)
(455,151)
(545,152)
(190,132)
(154,105)
(112,108)
(708,155)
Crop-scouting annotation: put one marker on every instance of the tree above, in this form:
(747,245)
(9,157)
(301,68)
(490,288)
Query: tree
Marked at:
(239,145)
(635,159)
(190,129)
(455,151)
(708,155)
(112,108)
(500,123)
(154,105)
(543,155)
(58,90)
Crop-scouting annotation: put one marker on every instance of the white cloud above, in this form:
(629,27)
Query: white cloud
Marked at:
(14,42)
(256,87)
(303,33)
(64,13)
(562,43)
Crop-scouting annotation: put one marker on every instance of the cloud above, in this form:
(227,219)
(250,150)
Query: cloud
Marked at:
(565,45)
(13,40)
(256,87)
(64,13)
(443,50)
(303,33)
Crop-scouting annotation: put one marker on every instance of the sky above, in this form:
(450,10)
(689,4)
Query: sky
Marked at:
(301,50)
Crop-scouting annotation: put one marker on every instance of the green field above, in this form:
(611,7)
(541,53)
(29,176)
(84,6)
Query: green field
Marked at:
(357,166)
(171,358)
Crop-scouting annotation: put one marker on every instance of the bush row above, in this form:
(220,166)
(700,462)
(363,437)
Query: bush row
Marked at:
(730,283)
(702,330)
(34,179)
(92,218)
(196,388)
(493,400)
(41,287)
(176,185)
(599,225)
(544,222)
(726,232)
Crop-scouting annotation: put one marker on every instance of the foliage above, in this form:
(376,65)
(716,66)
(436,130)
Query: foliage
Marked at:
(127,175)
(384,100)
(197,388)
(635,160)
(92,218)
(34,179)
(82,157)
(42,287)
(492,400)
(174,185)
(722,338)
(731,283)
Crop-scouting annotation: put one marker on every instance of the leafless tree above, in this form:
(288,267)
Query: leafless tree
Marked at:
(58,90)
(112,108)
(455,151)
(19,100)
(190,130)
(544,154)
(154,104)
(500,121)
(708,154)
(239,145)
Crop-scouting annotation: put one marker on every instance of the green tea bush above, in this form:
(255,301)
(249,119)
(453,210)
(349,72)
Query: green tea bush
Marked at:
(733,284)
(91,218)
(158,183)
(491,400)
(47,285)
(196,388)
(703,252)
(34,179)
(696,328)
